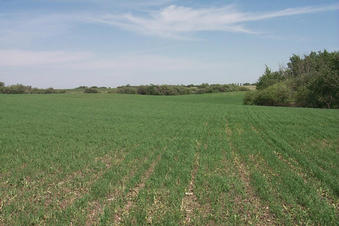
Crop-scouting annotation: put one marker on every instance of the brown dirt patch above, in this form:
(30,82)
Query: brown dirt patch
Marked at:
(158,207)
(95,210)
(189,202)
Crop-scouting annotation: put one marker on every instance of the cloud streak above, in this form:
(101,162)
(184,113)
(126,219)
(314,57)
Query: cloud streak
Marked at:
(178,22)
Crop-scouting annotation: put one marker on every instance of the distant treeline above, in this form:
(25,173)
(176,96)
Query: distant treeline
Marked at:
(142,90)
(309,81)
(22,89)
(179,89)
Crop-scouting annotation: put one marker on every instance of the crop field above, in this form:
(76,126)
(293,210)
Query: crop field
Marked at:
(88,159)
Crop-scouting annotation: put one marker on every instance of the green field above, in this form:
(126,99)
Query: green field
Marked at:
(167,160)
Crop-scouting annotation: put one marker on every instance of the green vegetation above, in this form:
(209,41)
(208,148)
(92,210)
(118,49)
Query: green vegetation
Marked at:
(91,90)
(22,89)
(169,90)
(165,90)
(166,160)
(311,81)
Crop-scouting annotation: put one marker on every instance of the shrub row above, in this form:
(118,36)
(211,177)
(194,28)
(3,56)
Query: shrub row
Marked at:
(90,90)
(142,90)
(21,89)
(179,89)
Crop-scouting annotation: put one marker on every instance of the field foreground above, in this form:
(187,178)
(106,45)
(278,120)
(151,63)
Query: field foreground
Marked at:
(195,159)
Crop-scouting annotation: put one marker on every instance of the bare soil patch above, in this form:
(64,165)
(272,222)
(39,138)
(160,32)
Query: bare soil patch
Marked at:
(189,202)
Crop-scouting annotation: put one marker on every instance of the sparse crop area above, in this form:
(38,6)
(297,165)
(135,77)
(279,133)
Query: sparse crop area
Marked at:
(85,159)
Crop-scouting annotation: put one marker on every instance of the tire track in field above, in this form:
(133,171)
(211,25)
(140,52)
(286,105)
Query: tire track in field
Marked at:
(189,202)
(251,198)
(135,192)
(96,208)
(56,190)
(292,163)
(260,210)
(79,191)
(317,137)
(60,194)
(268,172)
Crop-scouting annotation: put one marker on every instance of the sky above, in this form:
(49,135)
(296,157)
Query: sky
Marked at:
(69,43)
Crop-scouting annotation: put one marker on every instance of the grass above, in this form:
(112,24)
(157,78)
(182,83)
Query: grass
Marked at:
(194,159)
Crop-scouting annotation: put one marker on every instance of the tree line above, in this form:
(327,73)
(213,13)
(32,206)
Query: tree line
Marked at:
(22,89)
(308,81)
(128,89)
(168,90)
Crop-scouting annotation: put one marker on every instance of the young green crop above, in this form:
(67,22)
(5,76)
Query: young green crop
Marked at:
(194,159)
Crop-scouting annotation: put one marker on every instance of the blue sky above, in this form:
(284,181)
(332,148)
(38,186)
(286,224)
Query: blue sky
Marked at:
(68,43)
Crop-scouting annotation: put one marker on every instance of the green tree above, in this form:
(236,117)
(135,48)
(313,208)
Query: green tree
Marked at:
(308,81)
(269,78)
(324,90)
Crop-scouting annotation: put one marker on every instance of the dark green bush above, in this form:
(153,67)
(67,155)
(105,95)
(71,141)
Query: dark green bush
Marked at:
(2,87)
(127,90)
(243,88)
(142,90)
(46,91)
(276,95)
(167,90)
(49,91)
(82,87)
(16,89)
(323,91)
(90,90)
(249,98)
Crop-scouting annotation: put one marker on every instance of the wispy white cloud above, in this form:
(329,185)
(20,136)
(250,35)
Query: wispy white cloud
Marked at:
(292,12)
(177,21)
(174,22)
